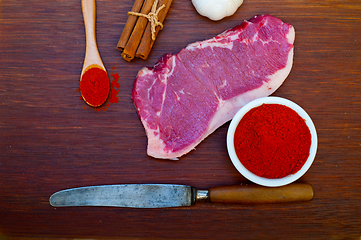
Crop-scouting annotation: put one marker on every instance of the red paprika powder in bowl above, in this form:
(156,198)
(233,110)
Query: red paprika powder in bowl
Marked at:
(272,141)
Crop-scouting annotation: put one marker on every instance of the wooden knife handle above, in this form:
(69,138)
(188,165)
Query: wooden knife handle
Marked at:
(255,194)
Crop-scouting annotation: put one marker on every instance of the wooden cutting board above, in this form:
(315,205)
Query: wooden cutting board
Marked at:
(51,140)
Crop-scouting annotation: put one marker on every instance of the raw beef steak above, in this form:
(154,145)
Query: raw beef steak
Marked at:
(187,96)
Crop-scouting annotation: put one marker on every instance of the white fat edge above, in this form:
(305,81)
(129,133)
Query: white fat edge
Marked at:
(172,155)
(291,35)
(144,71)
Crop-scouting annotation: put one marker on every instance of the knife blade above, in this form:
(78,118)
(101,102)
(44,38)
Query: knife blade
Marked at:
(172,195)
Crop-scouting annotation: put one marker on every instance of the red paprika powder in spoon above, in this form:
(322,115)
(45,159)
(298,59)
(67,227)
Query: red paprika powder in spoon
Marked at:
(272,141)
(95,86)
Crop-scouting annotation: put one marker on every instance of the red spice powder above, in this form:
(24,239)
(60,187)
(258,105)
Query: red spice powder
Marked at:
(94,86)
(272,141)
(114,90)
(113,94)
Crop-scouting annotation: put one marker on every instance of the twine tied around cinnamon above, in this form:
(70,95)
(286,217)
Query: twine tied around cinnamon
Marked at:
(152,17)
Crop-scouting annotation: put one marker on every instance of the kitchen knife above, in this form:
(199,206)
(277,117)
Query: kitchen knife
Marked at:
(169,195)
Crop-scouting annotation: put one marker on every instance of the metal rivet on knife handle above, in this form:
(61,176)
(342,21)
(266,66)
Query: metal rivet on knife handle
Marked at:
(202,195)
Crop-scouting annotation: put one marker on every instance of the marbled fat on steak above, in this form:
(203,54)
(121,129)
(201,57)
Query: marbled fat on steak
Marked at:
(187,96)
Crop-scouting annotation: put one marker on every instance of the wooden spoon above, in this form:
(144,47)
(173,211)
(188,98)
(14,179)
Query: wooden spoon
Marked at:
(92,57)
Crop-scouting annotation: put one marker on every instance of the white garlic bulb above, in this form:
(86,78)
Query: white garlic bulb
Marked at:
(216,9)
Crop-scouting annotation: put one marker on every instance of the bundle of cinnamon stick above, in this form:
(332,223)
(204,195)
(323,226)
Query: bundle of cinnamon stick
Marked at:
(141,29)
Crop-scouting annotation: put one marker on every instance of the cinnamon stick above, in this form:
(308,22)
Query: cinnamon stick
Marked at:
(134,40)
(147,42)
(129,26)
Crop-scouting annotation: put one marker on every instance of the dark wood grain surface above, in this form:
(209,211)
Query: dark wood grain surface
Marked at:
(51,140)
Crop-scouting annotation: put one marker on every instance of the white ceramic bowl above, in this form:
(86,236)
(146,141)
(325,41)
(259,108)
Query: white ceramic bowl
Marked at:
(251,176)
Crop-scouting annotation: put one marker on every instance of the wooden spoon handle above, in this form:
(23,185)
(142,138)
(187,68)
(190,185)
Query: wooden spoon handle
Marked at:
(254,194)
(89,15)
(92,56)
